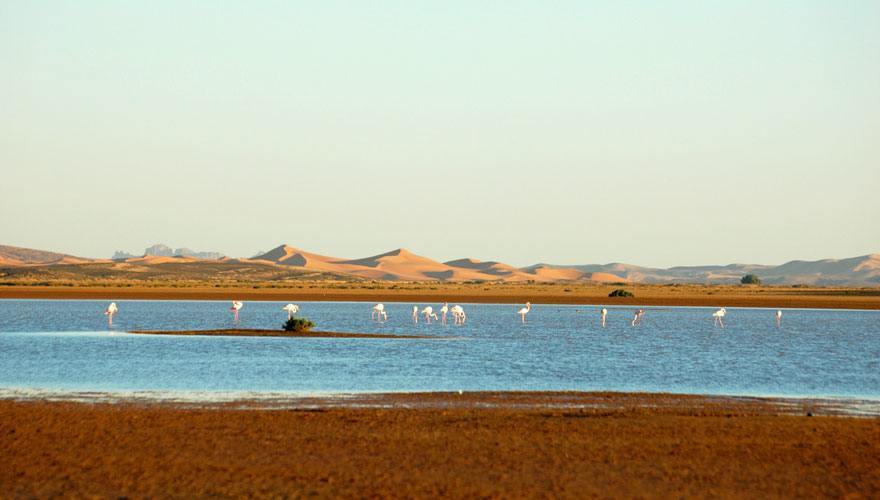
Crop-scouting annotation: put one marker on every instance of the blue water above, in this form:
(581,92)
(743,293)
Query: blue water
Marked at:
(66,346)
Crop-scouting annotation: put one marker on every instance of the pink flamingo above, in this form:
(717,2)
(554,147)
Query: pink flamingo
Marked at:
(525,310)
(109,312)
(236,306)
(719,316)
(429,313)
(637,318)
(458,315)
(443,311)
(379,313)
(604,314)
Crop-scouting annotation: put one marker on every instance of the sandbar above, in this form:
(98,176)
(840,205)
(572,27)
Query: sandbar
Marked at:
(252,332)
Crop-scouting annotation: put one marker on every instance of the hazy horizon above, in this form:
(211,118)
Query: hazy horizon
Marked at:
(524,132)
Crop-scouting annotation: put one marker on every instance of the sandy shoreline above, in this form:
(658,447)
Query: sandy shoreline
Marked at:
(646,295)
(481,444)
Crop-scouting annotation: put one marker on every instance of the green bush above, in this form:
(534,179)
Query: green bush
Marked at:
(750,279)
(298,325)
(620,292)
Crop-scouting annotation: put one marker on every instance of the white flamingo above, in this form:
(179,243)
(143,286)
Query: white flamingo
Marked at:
(429,313)
(604,314)
(637,317)
(718,316)
(525,310)
(443,311)
(415,315)
(291,310)
(379,313)
(110,311)
(458,315)
(236,306)
(778,318)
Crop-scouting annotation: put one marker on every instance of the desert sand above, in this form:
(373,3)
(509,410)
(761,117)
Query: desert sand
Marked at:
(570,445)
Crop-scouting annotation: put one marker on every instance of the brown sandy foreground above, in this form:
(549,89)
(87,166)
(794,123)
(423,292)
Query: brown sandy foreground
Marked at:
(451,445)
(253,332)
(551,293)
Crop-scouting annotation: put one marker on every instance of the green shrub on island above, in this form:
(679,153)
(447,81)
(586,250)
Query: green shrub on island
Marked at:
(298,325)
(620,292)
(750,279)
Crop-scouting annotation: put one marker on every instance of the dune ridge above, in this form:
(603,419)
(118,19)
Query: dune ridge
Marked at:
(402,264)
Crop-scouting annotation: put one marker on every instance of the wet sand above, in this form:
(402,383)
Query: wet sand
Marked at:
(250,332)
(645,295)
(483,444)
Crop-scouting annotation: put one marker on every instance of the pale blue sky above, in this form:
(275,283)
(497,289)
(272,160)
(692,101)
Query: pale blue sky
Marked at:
(656,133)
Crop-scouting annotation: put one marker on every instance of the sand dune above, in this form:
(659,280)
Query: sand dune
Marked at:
(18,256)
(607,278)
(550,273)
(404,265)
(491,268)
(155,259)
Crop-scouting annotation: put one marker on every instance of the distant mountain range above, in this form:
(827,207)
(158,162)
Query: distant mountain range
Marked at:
(160,250)
(403,265)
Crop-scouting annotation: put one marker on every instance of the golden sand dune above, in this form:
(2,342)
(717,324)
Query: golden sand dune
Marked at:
(286,262)
(871,263)
(155,259)
(402,264)
(399,264)
(607,278)
(497,269)
(552,273)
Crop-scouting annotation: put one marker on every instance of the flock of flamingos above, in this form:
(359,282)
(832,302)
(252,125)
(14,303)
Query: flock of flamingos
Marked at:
(459,317)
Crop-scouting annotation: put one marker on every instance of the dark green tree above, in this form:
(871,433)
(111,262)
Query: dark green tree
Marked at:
(298,325)
(750,279)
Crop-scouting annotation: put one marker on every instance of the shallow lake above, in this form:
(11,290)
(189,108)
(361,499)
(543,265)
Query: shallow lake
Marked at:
(60,346)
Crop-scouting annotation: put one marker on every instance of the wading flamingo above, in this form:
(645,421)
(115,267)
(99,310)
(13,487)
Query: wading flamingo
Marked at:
(109,312)
(718,316)
(415,315)
(429,313)
(525,310)
(458,315)
(236,306)
(379,313)
(291,310)
(637,318)
(778,318)
(604,314)
(443,311)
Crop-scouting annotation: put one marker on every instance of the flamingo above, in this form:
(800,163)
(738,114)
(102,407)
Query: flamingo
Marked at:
(604,313)
(525,310)
(236,306)
(415,315)
(109,312)
(718,316)
(443,311)
(429,313)
(778,318)
(637,317)
(291,310)
(379,312)
(458,315)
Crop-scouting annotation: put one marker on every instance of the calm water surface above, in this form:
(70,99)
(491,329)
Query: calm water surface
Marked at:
(66,346)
